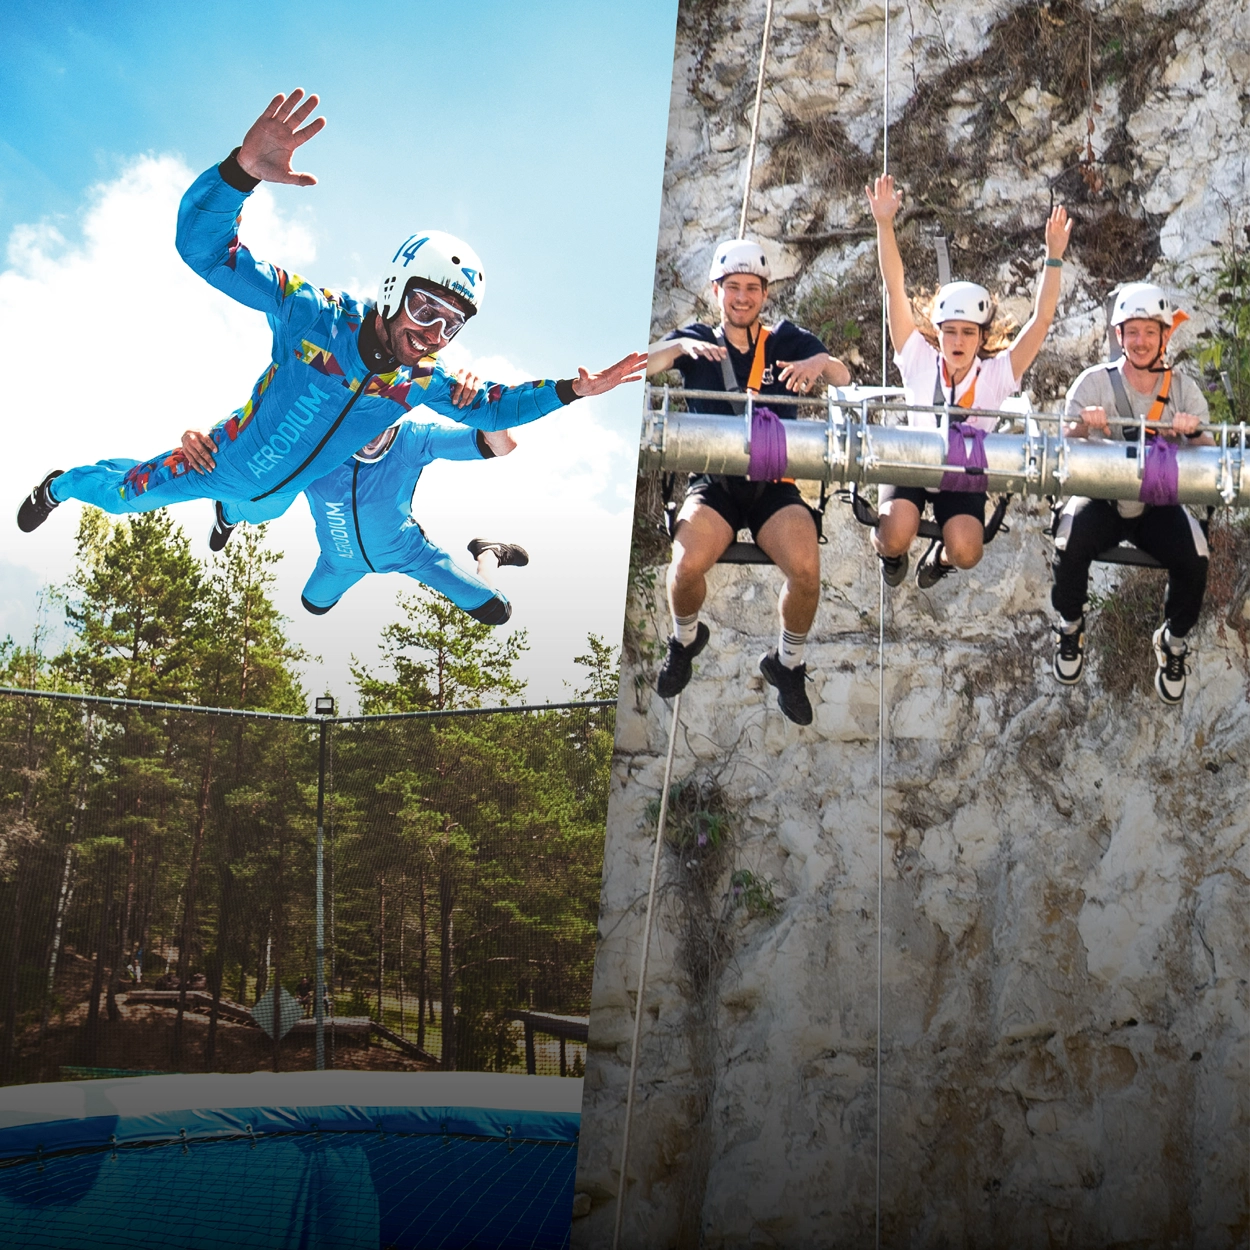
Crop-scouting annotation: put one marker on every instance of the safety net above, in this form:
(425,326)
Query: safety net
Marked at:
(168,877)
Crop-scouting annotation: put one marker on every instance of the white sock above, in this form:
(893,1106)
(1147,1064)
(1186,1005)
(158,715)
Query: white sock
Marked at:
(790,648)
(1175,643)
(487,566)
(685,628)
(1071,627)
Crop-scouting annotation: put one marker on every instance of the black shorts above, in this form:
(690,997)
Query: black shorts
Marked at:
(744,504)
(946,503)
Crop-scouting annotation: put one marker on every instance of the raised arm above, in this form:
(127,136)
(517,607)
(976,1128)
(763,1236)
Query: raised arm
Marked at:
(884,201)
(1033,333)
(208,217)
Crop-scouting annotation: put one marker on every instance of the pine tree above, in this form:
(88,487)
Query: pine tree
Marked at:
(441,658)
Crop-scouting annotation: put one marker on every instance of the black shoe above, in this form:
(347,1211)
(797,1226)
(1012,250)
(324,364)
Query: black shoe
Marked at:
(505,553)
(1068,661)
(790,682)
(37,506)
(931,570)
(219,535)
(675,671)
(894,569)
(1170,675)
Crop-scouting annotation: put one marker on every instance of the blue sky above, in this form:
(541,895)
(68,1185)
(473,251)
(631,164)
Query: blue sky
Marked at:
(535,132)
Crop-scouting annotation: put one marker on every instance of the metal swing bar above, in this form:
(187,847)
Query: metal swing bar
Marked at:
(848,446)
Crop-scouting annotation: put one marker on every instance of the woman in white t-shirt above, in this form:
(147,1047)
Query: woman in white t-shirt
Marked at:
(966,365)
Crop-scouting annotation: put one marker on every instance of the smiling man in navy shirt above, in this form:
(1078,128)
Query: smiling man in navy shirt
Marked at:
(738,354)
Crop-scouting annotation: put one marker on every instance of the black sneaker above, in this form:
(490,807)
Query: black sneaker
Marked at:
(675,671)
(505,553)
(894,569)
(37,506)
(219,535)
(1170,675)
(1068,661)
(931,570)
(790,682)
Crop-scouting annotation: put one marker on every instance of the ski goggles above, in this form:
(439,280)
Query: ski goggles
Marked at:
(426,310)
(376,448)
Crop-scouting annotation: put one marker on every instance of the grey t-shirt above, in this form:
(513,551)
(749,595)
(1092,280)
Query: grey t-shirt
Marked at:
(1092,389)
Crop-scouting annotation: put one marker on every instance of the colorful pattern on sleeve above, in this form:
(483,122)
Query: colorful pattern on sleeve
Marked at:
(237,421)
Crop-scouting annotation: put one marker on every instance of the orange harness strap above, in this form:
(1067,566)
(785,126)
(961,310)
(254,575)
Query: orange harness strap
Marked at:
(1161,399)
(967,398)
(757,362)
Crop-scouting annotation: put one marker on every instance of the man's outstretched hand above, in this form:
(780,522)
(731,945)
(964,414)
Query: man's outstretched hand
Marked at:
(630,369)
(271,142)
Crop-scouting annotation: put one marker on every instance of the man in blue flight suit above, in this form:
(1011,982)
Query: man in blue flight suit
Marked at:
(364,524)
(341,372)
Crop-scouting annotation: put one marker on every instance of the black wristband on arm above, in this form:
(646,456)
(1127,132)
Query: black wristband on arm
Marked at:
(233,175)
(565,392)
(484,447)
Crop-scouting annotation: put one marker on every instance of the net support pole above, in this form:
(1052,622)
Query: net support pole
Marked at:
(642,975)
(320,988)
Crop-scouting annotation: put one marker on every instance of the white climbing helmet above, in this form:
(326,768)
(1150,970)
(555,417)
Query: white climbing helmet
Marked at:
(434,257)
(963,301)
(1142,300)
(738,256)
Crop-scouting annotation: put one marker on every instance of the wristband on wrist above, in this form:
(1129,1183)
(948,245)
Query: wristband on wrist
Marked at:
(1054,262)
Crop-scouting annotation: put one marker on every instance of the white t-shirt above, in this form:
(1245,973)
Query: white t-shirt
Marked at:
(919,363)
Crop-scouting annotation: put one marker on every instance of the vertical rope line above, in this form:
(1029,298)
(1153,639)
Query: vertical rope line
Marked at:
(885,339)
(755,121)
(642,974)
(880,873)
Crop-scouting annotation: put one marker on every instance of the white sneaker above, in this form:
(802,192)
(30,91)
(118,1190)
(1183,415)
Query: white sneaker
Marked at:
(1068,661)
(1170,675)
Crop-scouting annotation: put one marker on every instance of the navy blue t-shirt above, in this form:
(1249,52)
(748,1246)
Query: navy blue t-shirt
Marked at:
(786,342)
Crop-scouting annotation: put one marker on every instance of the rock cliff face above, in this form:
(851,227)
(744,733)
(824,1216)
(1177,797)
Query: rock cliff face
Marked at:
(1065,953)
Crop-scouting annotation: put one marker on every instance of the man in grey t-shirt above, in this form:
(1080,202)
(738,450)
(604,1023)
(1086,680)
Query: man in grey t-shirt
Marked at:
(1138,384)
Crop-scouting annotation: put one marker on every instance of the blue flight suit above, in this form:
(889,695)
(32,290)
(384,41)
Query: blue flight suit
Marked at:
(330,387)
(364,524)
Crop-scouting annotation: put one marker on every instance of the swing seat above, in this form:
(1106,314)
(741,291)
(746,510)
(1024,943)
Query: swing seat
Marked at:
(866,514)
(738,552)
(1127,554)
(743,553)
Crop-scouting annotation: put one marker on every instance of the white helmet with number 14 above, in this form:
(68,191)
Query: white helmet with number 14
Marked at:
(435,258)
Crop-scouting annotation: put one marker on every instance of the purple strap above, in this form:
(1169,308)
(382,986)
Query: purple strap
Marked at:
(1159,479)
(959,453)
(768,446)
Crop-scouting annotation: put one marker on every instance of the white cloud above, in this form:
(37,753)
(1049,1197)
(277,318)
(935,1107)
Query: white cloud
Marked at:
(116,347)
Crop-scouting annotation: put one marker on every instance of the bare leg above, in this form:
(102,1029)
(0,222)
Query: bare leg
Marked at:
(900,523)
(964,540)
(789,539)
(700,539)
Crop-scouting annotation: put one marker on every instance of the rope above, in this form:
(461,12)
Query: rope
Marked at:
(642,974)
(885,339)
(880,868)
(755,120)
